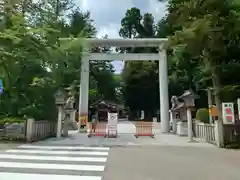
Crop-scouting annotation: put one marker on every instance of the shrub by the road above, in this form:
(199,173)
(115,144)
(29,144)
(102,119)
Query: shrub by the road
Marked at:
(203,115)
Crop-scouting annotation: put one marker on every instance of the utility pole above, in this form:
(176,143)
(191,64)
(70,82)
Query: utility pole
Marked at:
(238,103)
(210,104)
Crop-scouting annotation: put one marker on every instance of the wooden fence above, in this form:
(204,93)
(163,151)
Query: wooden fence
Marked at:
(205,132)
(38,130)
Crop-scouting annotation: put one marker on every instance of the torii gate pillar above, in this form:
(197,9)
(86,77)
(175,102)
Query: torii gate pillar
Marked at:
(163,71)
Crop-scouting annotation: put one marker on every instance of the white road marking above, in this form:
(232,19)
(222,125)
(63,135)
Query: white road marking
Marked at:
(65,147)
(53,158)
(93,153)
(52,166)
(25,176)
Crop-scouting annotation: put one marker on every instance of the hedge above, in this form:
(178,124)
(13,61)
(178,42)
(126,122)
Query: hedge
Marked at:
(203,115)
(11,120)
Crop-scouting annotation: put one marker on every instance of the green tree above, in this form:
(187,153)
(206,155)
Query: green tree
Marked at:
(132,18)
(206,33)
(34,63)
(140,89)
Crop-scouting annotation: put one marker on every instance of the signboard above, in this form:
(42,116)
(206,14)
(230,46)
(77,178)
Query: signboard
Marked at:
(112,118)
(1,86)
(213,111)
(112,124)
(228,113)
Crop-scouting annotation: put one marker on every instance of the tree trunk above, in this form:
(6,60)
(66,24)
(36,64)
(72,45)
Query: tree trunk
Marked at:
(217,88)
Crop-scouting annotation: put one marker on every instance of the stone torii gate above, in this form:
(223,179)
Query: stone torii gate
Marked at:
(160,56)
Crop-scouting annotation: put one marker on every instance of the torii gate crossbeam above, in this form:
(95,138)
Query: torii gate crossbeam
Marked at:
(163,70)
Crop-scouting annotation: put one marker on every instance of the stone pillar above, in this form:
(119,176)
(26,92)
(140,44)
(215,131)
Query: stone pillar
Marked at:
(65,124)
(219,133)
(189,119)
(59,123)
(73,116)
(30,128)
(163,88)
(174,126)
(174,122)
(84,87)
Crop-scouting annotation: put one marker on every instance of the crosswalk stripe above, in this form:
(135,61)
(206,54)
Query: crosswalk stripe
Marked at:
(65,147)
(93,153)
(25,176)
(62,162)
(53,158)
(51,166)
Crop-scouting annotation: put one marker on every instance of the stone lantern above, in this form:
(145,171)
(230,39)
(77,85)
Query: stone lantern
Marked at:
(60,99)
(181,116)
(70,115)
(175,112)
(188,98)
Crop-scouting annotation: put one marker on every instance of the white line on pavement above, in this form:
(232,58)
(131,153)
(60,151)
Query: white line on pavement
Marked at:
(93,153)
(52,166)
(65,147)
(24,176)
(51,158)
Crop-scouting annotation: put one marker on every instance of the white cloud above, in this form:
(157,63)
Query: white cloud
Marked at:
(111,30)
(107,15)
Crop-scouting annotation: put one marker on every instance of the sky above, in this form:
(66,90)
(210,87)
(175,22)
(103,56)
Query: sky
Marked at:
(107,15)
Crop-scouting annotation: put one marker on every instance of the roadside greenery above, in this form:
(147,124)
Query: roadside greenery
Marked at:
(34,63)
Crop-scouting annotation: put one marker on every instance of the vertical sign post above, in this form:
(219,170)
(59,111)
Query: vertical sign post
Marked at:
(238,103)
(142,115)
(228,113)
(112,124)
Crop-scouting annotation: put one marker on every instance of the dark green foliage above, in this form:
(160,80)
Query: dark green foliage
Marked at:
(202,115)
(34,63)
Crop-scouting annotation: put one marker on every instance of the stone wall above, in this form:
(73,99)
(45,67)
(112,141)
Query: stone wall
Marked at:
(13,131)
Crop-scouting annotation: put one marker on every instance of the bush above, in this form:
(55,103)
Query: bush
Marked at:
(10,120)
(203,115)
(1,124)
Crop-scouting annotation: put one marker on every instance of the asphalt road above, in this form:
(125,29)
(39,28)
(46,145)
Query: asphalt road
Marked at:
(8,145)
(172,163)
